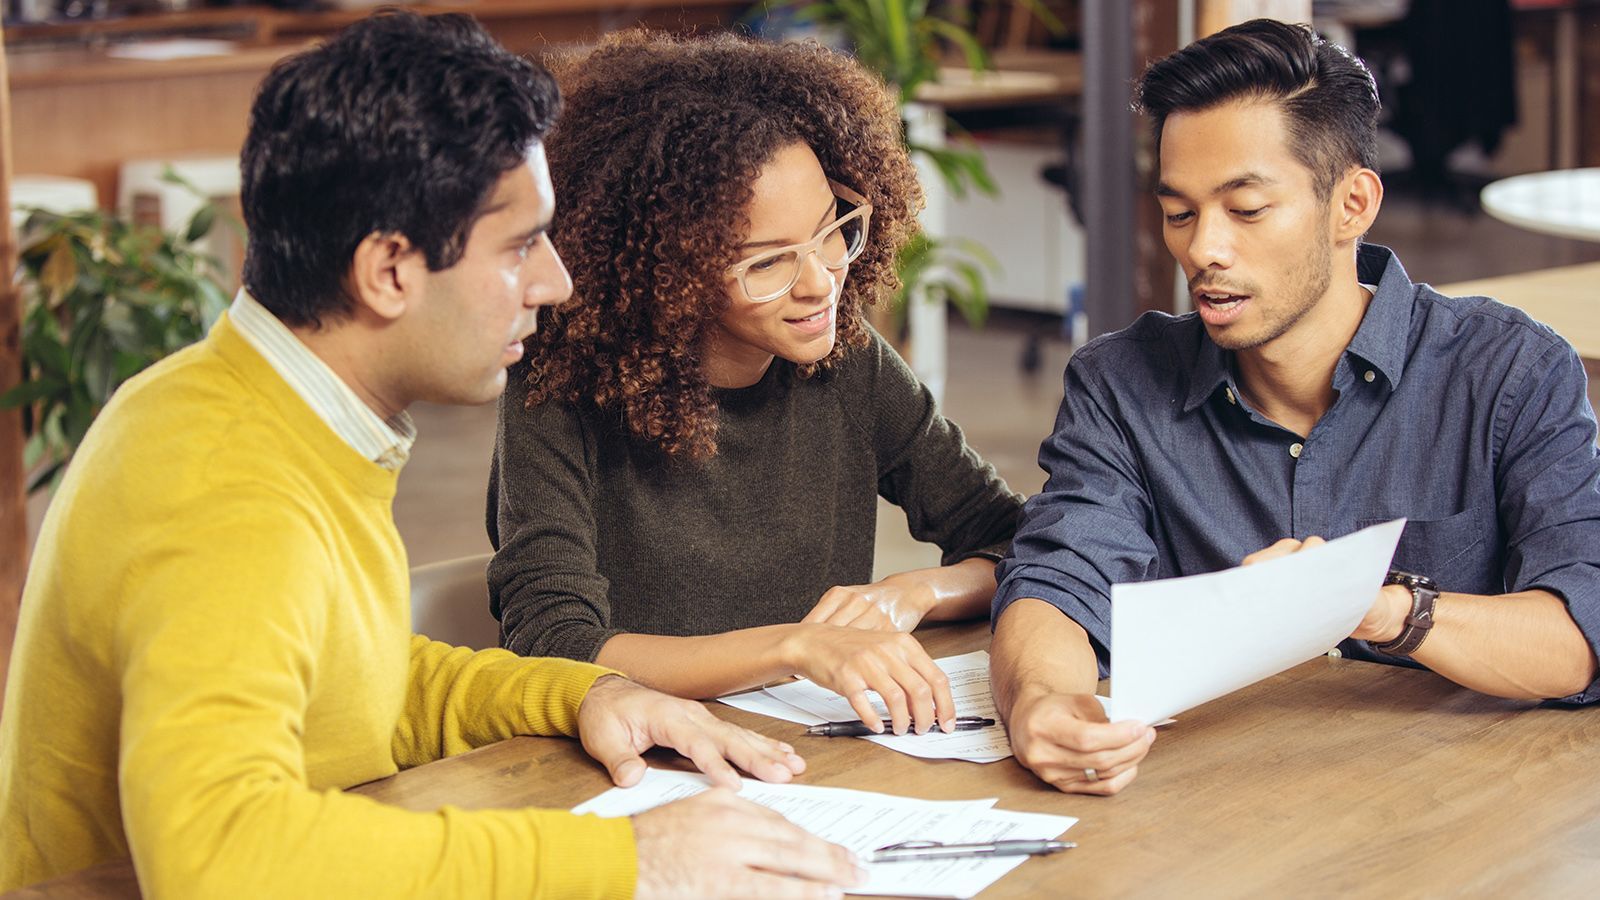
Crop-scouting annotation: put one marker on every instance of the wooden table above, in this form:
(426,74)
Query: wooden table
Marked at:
(1334,778)
(1566,298)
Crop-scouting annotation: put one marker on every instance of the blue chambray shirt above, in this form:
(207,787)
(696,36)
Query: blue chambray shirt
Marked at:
(1461,414)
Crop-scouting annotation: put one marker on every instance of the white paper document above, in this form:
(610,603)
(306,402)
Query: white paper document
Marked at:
(1179,642)
(762,703)
(809,703)
(863,821)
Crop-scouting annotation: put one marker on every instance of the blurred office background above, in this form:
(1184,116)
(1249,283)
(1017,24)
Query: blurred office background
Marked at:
(105,95)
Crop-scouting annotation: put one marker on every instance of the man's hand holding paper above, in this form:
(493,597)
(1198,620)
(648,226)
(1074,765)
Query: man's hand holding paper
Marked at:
(1388,613)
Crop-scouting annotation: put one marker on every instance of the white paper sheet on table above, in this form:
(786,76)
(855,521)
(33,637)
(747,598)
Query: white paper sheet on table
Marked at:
(863,821)
(760,702)
(1178,642)
(809,703)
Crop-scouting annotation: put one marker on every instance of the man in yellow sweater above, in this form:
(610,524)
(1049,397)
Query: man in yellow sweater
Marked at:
(215,633)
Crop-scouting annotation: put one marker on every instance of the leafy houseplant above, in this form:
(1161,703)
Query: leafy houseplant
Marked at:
(102,299)
(904,41)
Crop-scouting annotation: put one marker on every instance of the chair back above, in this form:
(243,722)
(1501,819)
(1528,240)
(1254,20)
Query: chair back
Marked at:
(450,602)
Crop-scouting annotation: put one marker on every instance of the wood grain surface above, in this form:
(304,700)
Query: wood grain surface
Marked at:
(1335,778)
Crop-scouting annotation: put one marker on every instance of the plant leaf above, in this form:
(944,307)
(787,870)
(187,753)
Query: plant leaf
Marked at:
(30,392)
(200,224)
(47,477)
(60,272)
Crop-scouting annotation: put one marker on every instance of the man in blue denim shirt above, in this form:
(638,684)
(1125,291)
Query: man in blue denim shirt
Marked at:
(1315,390)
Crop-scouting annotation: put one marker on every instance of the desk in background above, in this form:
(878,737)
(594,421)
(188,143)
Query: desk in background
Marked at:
(1564,203)
(1566,298)
(1336,778)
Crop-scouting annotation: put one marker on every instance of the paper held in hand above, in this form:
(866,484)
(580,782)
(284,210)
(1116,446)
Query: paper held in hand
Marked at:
(1179,642)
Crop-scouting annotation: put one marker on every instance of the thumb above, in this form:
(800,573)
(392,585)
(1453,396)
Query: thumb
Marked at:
(627,772)
(613,751)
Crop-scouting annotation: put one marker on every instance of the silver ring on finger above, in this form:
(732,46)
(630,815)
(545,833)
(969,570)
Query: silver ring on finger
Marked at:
(1091,775)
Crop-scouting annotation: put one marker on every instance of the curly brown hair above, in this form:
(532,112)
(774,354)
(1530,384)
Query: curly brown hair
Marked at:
(653,160)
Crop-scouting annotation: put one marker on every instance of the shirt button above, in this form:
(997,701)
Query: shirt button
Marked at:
(1335,653)
(1370,376)
(1229,392)
(1295,449)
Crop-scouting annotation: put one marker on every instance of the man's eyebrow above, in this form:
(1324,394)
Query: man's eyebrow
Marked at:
(833,204)
(530,234)
(1248,179)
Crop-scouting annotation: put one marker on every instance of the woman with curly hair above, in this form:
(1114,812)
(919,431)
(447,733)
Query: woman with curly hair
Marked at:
(687,468)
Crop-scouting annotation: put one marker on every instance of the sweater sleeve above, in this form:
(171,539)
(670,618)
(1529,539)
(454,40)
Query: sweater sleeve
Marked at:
(545,586)
(951,497)
(458,699)
(217,641)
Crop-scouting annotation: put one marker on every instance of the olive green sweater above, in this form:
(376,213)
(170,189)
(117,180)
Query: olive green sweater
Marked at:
(596,535)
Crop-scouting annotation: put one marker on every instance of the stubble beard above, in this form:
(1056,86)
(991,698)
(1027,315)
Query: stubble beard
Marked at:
(1308,284)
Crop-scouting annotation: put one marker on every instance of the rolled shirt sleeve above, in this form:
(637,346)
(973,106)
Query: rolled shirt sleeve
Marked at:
(1090,526)
(1549,498)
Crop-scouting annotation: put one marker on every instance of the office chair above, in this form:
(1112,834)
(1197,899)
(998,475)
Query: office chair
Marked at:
(450,602)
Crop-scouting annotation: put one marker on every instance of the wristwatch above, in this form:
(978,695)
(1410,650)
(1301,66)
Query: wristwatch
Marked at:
(1424,593)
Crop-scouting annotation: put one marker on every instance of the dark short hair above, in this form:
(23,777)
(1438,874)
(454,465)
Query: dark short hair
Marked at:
(1327,96)
(398,125)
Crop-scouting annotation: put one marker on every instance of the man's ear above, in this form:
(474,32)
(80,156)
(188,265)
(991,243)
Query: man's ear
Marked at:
(1357,197)
(386,273)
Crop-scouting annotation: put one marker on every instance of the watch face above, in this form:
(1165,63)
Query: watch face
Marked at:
(1410,580)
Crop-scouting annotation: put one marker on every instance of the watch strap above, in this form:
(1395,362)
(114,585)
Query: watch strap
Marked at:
(1417,625)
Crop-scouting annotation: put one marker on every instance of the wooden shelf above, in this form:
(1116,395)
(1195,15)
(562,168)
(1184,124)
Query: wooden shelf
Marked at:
(260,24)
(80,111)
(242,19)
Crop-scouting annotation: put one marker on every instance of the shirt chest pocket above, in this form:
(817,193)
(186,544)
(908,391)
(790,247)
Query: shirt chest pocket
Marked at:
(1454,550)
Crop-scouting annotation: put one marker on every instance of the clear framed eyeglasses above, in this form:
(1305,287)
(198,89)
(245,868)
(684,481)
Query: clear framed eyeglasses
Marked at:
(770,274)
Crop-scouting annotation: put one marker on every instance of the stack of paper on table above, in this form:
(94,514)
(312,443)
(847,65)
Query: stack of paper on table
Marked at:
(863,821)
(809,703)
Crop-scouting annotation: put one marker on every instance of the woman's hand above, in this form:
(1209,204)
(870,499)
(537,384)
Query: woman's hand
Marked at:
(851,662)
(893,604)
(905,599)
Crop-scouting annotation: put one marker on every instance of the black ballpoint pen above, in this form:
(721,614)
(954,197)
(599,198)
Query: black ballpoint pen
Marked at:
(858,729)
(911,851)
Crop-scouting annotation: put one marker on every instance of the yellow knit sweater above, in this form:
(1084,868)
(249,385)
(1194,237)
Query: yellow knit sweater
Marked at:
(215,640)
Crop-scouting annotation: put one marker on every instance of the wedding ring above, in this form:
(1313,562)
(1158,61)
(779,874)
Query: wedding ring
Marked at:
(1091,775)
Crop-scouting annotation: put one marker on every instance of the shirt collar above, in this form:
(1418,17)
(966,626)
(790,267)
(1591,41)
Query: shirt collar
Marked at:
(386,442)
(1380,340)
(1385,330)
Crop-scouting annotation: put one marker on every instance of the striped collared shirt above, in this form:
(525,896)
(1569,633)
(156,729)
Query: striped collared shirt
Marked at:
(386,442)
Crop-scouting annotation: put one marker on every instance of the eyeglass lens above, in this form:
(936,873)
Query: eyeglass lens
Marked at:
(839,244)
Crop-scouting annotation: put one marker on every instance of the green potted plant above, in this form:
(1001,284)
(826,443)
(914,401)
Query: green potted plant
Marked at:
(102,299)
